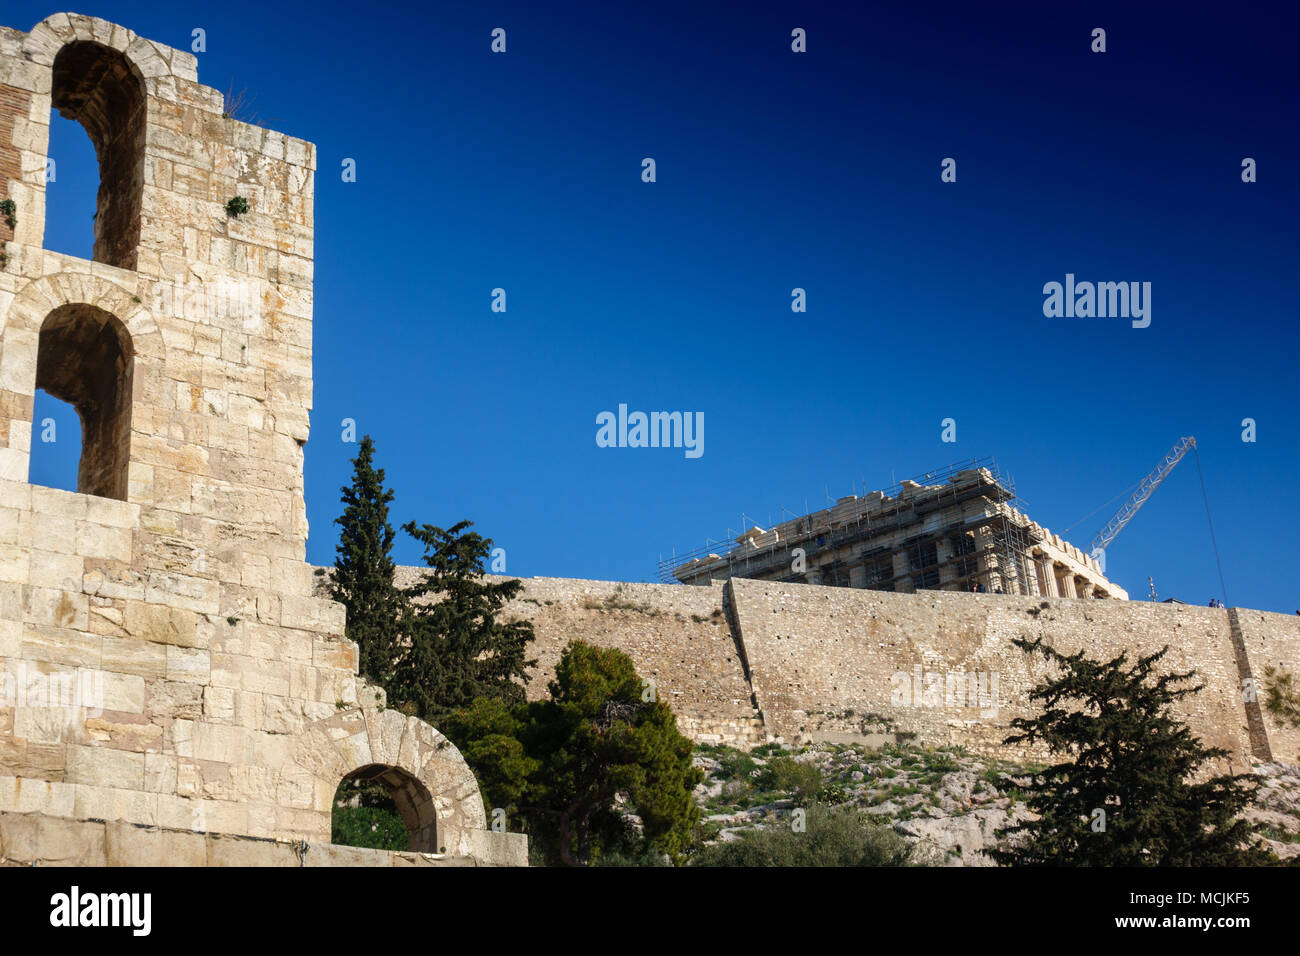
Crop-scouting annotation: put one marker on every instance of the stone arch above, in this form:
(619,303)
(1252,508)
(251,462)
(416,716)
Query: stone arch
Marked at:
(425,766)
(39,297)
(95,305)
(157,67)
(150,60)
(413,799)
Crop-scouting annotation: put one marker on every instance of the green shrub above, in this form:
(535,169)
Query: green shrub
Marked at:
(833,837)
(801,780)
(1282,697)
(371,827)
(735,764)
(942,763)
(373,822)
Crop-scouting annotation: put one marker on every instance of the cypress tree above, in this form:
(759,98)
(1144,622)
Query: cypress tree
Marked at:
(1131,791)
(363,569)
(457,651)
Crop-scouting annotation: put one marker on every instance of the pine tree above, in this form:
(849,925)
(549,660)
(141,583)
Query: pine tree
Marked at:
(599,738)
(573,767)
(457,651)
(363,569)
(1127,795)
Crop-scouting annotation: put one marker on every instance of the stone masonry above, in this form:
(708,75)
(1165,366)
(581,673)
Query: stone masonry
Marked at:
(165,670)
(747,661)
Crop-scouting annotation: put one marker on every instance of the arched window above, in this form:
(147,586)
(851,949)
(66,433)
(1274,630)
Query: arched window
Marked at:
(98,87)
(384,808)
(85,359)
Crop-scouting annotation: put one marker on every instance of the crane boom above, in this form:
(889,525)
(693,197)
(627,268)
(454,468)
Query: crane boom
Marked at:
(1149,484)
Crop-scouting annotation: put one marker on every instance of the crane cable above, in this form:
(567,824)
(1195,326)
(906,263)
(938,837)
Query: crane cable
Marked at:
(1123,494)
(1213,542)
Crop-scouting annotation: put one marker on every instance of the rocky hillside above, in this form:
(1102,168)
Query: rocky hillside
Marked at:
(948,801)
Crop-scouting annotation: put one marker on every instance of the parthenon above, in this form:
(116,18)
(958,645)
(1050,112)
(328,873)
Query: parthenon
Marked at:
(961,533)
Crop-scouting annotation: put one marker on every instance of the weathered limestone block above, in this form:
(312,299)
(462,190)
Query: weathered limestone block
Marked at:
(228,851)
(499,849)
(126,655)
(115,803)
(105,767)
(39,839)
(36,796)
(170,699)
(160,773)
(161,624)
(131,844)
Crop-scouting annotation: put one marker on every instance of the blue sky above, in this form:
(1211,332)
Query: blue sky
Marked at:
(778,170)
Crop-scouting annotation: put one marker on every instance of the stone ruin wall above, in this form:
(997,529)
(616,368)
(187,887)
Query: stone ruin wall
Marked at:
(163,661)
(816,653)
(750,661)
(1273,640)
(678,636)
(38,839)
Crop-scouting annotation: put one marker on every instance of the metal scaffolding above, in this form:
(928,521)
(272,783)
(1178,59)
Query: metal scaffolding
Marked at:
(952,528)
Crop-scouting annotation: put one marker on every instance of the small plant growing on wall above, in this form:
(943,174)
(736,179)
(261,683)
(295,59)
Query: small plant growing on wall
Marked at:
(1282,697)
(237,206)
(239,106)
(9,210)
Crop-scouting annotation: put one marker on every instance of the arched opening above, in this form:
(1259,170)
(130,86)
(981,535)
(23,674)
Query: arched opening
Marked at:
(386,809)
(98,87)
(84,358)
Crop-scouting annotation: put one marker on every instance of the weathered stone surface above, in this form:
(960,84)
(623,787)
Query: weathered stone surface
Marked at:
(750,661)
(33,839)
(208,689)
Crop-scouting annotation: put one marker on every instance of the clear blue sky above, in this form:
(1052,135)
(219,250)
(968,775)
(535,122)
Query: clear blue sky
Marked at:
(776,171)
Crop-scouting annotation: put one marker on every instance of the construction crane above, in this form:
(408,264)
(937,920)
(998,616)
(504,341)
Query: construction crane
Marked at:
(1149,484)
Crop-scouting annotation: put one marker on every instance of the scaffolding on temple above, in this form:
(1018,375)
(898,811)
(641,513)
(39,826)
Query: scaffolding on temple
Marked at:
(952,528)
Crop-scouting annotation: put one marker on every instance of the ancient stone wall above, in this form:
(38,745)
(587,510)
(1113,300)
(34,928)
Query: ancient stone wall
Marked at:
(1273,640)
(678,636)
(163,661)
(15,106)
(817,653)
(37,839)
(752,660)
